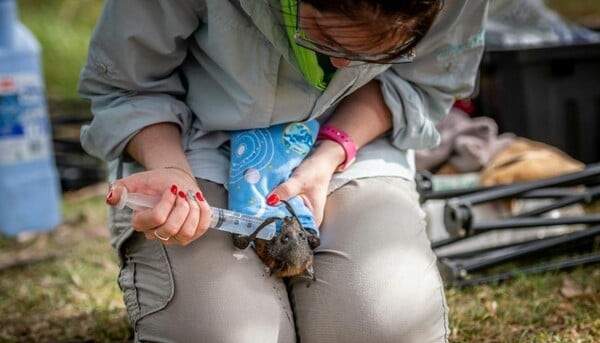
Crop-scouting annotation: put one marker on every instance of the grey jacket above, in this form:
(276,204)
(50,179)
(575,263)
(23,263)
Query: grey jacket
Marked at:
(211,66)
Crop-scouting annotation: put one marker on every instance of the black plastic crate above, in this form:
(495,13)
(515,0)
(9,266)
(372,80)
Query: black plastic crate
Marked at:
(550,95)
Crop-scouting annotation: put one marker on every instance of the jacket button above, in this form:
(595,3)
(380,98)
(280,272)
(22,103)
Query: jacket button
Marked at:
(101,68)
(451,66)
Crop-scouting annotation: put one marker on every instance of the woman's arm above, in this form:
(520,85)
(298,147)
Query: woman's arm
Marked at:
(131,75)
(158,146)
(421,93)
(364,116)
(406,100)
(131,80)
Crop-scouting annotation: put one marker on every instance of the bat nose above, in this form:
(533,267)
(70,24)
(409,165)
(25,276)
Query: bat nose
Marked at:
(285,237)
(291,236)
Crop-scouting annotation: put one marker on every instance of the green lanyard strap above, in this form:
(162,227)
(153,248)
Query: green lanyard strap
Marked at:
(307,59)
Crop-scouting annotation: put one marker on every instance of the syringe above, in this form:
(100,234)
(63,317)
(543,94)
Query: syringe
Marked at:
(220,219)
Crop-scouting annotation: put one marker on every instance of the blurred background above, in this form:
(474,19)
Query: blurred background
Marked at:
(525,93)
(63,28)
(60,286)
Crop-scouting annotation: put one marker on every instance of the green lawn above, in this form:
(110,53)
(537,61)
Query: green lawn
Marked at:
(61,286)
(63,28)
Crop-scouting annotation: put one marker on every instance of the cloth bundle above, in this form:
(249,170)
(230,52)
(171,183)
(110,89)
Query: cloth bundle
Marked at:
(261,159)
(467,144)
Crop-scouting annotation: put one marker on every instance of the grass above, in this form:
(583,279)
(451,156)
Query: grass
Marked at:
(62,284)
(63,28)
(538,308)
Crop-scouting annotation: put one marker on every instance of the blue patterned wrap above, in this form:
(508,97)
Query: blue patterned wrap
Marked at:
(262,159)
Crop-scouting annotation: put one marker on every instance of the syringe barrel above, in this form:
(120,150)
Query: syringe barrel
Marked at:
(236,222)
(220,219)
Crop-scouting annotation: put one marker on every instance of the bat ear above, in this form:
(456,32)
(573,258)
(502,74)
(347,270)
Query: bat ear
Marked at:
(241,241)
(313,240)
(262,225)
(292,212)
(289,208)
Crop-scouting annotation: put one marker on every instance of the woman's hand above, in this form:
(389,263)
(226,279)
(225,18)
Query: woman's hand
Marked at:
(181,216)
(364,116)
(310,180)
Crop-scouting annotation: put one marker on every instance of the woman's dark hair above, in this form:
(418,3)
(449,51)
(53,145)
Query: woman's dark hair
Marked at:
(415,17)
(423,10)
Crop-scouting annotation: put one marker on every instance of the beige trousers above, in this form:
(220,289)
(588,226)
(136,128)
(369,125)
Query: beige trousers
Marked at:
(377,279)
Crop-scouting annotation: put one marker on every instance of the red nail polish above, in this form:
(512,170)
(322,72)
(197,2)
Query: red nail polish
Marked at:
(109,196)
(174,189)
(273,200)
(199,196)
(181,194)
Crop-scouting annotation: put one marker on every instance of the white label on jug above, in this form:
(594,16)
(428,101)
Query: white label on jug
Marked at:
(24,126)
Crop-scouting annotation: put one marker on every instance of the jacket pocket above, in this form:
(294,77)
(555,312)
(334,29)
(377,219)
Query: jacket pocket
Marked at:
(145,278)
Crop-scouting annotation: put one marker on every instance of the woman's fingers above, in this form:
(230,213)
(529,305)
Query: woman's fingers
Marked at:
(316,204)
(175,220)
(178,218)
(285,191)
(313,197)
(187,232)
(205,213)
(114,194)
(151,219)
(310,186)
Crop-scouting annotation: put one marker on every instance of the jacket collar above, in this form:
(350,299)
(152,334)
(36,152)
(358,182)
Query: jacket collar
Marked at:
(266,17)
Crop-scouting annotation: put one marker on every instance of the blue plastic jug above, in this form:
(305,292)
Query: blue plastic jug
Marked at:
(30,196)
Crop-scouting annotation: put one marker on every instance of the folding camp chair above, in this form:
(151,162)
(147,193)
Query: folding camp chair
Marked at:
(461,222)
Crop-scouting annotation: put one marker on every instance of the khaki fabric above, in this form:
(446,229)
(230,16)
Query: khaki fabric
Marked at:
(377,279)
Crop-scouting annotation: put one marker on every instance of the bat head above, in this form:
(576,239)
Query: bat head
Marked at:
(289,252)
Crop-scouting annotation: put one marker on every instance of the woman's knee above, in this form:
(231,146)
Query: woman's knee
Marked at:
(213,293)
(374,300)
(377,276)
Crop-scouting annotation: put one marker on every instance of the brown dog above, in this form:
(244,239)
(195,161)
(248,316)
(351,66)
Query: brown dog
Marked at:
(528,160)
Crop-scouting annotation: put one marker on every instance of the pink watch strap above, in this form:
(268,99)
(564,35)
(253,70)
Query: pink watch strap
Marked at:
(333,133)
